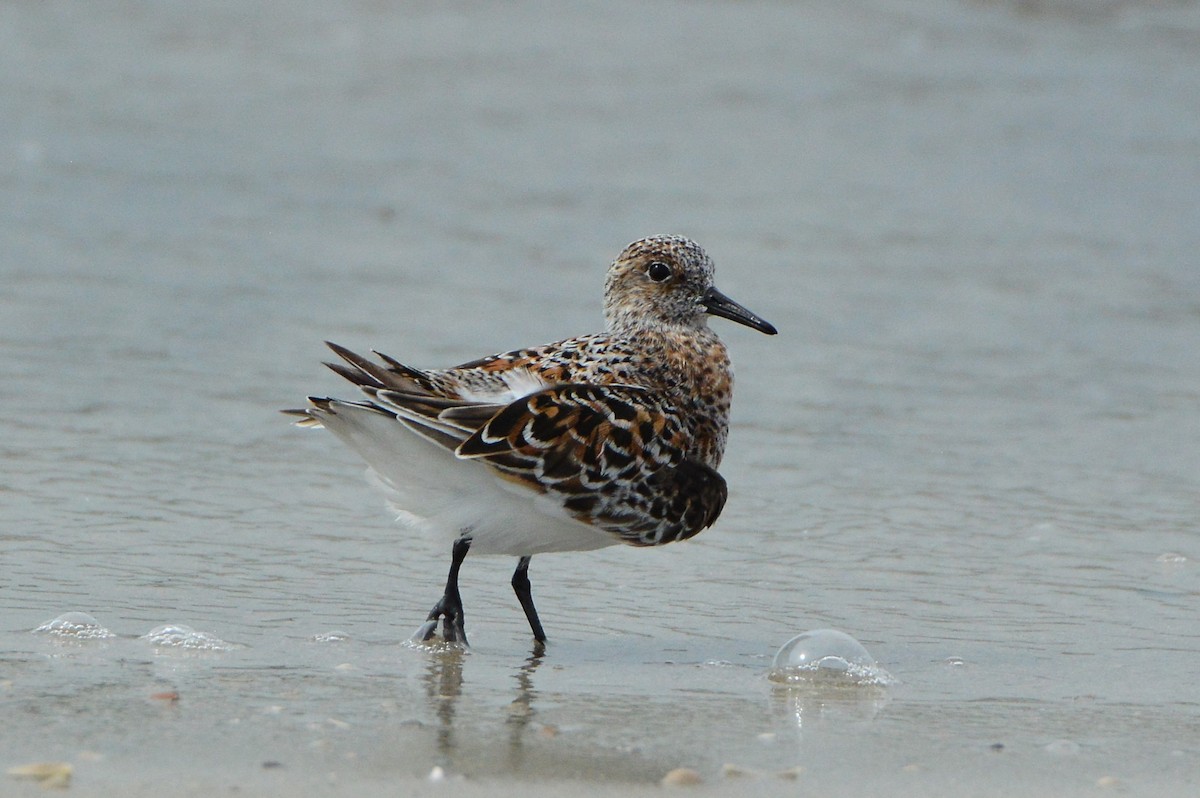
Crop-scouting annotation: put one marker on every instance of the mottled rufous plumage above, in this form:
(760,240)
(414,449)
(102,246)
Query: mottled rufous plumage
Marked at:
(612,437)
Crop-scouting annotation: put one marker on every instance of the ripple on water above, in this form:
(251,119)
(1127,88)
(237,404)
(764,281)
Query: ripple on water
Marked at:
(184,637)
(74,626)
(827,656)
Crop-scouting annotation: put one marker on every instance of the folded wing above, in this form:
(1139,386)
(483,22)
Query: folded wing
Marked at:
(610,456)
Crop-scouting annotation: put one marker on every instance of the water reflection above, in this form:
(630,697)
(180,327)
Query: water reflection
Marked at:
(811,706)
(443,688)
(521,711)
(444,680)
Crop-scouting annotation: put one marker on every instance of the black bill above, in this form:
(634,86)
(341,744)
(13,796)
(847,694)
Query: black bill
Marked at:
(720,305)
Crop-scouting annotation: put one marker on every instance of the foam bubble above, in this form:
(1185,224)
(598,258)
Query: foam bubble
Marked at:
(75,626)
(827,656)
(184,637)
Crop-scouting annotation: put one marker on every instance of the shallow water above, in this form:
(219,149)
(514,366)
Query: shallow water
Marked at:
(973,446)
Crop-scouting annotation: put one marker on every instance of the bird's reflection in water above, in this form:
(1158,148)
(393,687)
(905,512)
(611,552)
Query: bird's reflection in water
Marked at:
(521,711)
(444,687)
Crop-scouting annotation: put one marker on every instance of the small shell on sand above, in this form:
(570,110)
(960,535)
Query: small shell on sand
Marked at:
(48,774)
(682,777)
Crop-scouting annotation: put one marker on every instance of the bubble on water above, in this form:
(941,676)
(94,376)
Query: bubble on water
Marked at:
(184,637)
(827,656)
(76,626)
(336,636)
(1171,558)
(822,648)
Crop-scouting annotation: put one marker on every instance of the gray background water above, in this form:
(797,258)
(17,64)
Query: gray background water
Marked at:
(975,444)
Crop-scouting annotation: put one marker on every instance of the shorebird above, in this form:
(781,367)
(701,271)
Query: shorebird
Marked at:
(600,439)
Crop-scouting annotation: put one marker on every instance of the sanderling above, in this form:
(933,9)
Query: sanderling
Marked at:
(596,440)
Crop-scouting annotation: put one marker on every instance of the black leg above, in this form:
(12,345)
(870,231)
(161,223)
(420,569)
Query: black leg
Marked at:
(449,607)
(520,583)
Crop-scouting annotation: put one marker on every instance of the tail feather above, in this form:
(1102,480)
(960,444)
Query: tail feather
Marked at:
(307,419)
(321,407)
(367,374)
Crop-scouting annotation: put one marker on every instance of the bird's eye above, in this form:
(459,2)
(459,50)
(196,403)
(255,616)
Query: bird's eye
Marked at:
(658,271)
